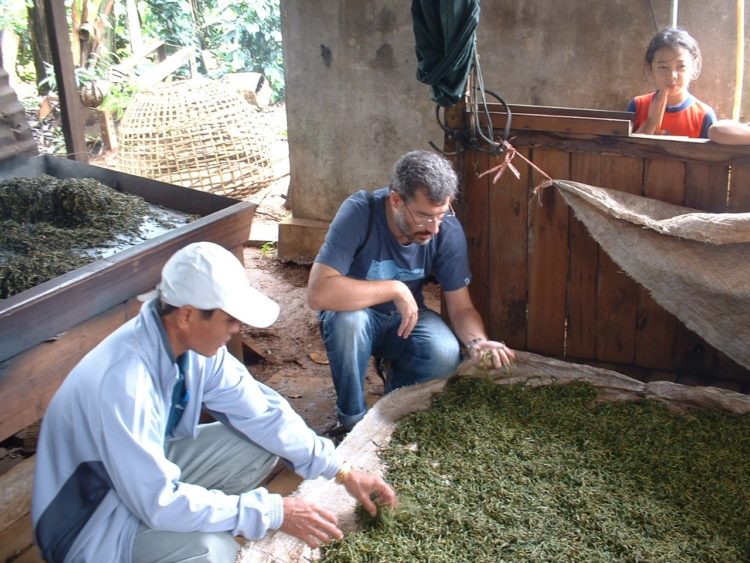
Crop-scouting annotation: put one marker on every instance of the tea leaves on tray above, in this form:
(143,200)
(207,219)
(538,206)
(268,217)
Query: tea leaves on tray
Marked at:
(49,226)
(514,473)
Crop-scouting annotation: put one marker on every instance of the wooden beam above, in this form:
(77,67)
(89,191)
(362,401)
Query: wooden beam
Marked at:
(560,111)
(109,132)
(167,67)
(560,123)
(637,146)
(70,101)
(126,66)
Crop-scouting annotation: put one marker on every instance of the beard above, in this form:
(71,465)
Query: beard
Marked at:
(402,222)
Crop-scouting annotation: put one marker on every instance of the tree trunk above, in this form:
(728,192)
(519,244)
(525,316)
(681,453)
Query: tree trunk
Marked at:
(39,42)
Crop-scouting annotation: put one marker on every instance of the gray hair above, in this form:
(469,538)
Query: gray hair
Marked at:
(424,169)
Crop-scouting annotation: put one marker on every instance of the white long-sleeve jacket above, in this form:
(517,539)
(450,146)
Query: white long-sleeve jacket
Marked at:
(101,467)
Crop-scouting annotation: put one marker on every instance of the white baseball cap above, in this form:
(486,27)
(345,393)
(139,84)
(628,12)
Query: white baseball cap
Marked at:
(206,276)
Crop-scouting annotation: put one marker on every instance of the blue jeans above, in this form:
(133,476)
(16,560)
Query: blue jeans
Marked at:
(432,351)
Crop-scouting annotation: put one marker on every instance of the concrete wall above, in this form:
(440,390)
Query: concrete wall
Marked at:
(354,104)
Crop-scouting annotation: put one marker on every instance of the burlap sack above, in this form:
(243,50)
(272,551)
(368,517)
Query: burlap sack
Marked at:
(695,265)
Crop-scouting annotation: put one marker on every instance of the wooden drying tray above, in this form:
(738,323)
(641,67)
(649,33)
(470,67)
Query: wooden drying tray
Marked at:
(45,330)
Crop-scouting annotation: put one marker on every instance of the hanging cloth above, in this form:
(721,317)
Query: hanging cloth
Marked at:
(445,34)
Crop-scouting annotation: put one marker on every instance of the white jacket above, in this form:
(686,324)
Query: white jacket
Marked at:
(101,466)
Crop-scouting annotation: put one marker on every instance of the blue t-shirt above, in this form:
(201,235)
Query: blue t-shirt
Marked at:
(384,258)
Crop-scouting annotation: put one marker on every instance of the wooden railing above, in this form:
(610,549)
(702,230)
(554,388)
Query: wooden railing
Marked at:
(543,284)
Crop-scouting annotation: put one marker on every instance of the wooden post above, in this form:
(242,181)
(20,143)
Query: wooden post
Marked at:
(70,100)
(109,133)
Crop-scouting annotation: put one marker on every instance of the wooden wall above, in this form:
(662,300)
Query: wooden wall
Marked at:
(543,284)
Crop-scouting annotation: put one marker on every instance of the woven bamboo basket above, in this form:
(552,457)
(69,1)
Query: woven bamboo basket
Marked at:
(196,133)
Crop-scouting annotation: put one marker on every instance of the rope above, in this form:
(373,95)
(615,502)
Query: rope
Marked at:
(506,164)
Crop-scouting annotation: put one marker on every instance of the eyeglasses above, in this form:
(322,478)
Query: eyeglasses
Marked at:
(426,221)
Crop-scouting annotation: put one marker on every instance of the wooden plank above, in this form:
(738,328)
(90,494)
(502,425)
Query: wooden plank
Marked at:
(473,210)
(555,110)
(29,380)
(584,266)
(548,257)
(656,328)
(508,231)
(166,67)
(15,492)
(108,130)
(726,368)
(560,124)
(126,66)
(738,202)
(235,344)
(696,150)
(16,543)
(285,482)
(706,189)
(739,190)
(617,295)
(692,355)
(706,186)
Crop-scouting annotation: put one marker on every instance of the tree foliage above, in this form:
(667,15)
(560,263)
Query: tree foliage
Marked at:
(228,35)
(239,35)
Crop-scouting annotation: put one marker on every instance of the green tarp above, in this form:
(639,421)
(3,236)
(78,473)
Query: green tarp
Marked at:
(445,34)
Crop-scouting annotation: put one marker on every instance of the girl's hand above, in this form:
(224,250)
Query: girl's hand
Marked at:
(652,125)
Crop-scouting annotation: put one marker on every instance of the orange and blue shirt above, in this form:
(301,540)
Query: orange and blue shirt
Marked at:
(691,118)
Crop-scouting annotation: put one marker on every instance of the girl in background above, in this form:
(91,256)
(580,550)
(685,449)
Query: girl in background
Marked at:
(673,59)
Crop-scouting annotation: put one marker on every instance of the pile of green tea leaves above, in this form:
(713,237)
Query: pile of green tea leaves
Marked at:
(49,226)
(513,473)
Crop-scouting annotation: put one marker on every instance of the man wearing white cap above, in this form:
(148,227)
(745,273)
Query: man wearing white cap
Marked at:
(124,470)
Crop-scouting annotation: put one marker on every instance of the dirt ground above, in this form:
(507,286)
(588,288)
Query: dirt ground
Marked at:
(289,356)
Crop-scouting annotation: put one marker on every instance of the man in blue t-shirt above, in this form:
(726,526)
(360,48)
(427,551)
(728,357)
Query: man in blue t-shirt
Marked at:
(367,284)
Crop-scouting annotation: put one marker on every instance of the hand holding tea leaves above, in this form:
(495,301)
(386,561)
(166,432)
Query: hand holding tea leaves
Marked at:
(366,486)
(490,354)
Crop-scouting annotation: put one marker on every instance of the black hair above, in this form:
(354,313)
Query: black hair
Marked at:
(424,169)
(673,38)
(165,309)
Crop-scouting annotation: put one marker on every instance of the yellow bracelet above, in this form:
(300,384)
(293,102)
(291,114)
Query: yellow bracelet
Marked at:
(343,471)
